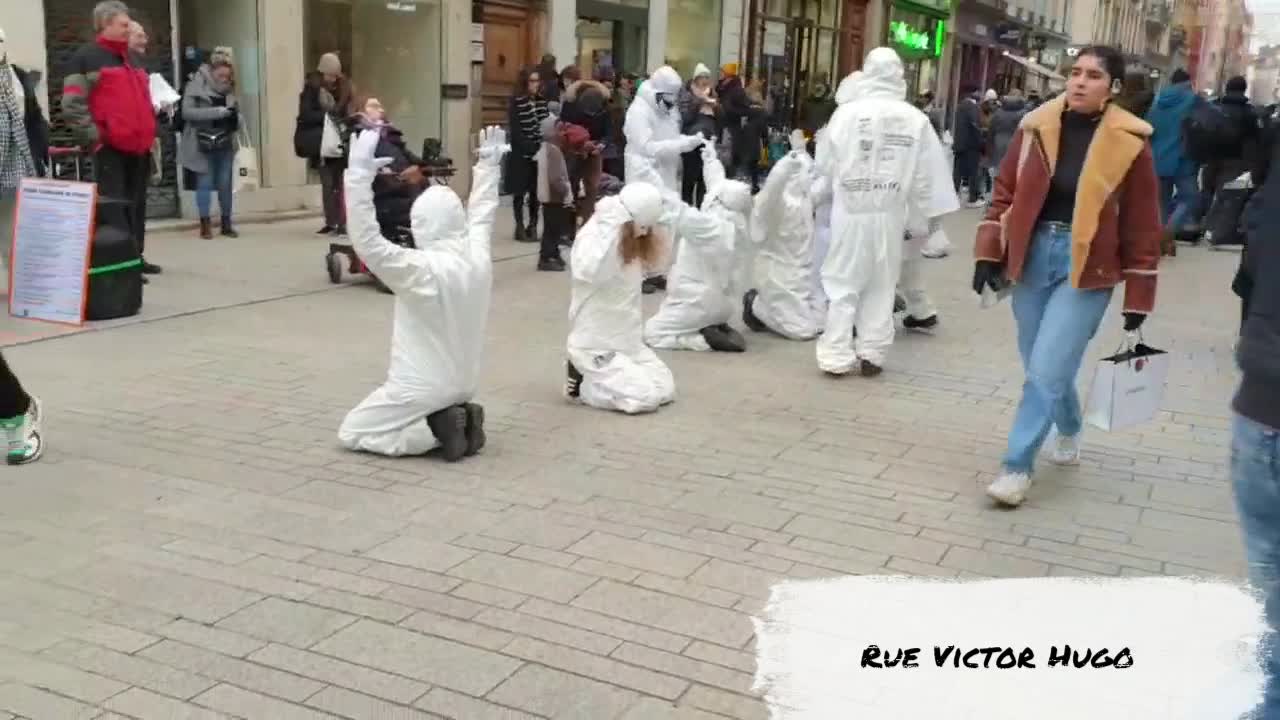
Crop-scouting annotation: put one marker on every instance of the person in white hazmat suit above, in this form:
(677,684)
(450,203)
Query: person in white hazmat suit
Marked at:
(442,288)
(782,224)
(877,151)
(701,289)
(609,365)
(655,143)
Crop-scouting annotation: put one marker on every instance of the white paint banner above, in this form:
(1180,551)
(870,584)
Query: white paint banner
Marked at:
(49,264)
(1045,648)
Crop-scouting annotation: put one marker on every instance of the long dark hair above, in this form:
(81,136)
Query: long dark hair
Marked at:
(522,80)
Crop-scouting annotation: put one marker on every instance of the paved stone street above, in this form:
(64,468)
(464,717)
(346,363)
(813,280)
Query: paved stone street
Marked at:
(195,544)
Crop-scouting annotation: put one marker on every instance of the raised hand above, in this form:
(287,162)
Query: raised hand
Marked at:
(362,158)
(493,145)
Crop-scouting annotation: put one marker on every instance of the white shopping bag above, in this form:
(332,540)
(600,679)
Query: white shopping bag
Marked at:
(163,96)
(245,171)
(331,140)
(1127,388)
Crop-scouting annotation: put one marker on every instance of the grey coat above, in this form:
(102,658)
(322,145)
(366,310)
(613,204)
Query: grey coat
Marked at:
(198,112)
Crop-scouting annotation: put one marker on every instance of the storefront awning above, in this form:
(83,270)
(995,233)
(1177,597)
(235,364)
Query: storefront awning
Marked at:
(1036,68)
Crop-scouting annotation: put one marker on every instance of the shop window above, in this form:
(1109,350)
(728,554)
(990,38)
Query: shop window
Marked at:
(693,35)
(206,24)
(389,50)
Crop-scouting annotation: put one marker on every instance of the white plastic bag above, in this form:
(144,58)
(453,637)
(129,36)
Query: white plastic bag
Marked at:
(245,170)
(331,140)
(1127,387)
(163,95)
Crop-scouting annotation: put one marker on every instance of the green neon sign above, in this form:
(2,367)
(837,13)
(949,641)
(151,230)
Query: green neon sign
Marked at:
(918,40)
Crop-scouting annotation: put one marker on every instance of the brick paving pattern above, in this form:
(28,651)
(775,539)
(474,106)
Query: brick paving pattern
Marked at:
(196,545)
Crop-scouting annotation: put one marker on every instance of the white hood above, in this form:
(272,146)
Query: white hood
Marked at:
(848,90)
(437,216)
(882,76)
(701,70)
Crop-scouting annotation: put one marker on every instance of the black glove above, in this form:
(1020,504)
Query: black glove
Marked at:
(987,273)
(1133,321)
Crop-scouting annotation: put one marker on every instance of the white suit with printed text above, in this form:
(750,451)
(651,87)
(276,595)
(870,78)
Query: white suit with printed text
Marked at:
(783,227)
(652,130)
(442,289)
(877,152)
(619,372)
(701,287)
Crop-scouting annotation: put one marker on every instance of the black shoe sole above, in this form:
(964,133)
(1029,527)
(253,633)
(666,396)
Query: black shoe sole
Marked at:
(450,428)
(476,437)
(748,316)
(869,369)
(928,323)
(573,384)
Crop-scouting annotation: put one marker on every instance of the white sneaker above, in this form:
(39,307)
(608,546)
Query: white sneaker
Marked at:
(1067,451)
(975,204)
(1010,488)
(26,444)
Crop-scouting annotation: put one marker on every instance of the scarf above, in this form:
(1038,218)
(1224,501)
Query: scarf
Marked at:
(15,152)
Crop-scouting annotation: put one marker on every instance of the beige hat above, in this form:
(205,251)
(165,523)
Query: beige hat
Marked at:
(221,55)
(330,64)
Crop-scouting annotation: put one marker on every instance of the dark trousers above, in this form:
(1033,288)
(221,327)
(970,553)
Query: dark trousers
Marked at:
(124,176)
(14,401)
(558,221)
(331,193)
(967,170)
(693,186)
(525,188)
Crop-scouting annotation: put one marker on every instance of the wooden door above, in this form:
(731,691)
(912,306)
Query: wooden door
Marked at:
(853,36)
(512,40)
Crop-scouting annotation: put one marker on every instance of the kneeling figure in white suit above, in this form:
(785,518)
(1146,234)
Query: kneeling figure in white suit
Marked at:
(700,290)
(442,289)
(609,365)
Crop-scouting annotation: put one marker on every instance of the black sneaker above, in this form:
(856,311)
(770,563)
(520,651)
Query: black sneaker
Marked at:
(573,381)
(912,323)
(551,264)
(869,369)
(475,428)
(899,304)
(748,317)
(151,268)
(723,338)
(653,284)
(450,428)
(326,230)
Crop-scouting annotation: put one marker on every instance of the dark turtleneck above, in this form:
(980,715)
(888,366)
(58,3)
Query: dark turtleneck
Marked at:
(1073,146)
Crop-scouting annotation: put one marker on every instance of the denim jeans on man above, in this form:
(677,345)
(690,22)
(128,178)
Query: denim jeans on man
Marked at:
(218,178)
(1180,200)
(1255,475)
(1055,323)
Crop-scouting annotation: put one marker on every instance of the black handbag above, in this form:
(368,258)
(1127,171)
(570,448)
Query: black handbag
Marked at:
(213,140)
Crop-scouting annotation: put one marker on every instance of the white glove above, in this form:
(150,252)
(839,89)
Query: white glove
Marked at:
(797,140)
(709,152)
(361,159)
(693,141)
(493,145)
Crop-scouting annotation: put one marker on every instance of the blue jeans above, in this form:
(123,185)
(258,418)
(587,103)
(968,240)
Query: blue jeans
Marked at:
(1179,200)
(1255,477)
(1055,323)
(218,178)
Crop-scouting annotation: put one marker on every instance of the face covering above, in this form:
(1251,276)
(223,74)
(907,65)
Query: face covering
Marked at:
(665,101)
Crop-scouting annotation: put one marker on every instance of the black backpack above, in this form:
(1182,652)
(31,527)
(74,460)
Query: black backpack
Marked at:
(1210,131)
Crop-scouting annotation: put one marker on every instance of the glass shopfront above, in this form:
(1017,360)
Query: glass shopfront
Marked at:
(693,35)
(919,39)
(206,24)
(612,34)
(390,50)
(794,48)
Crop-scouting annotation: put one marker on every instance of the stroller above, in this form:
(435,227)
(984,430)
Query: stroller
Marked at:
(393,217)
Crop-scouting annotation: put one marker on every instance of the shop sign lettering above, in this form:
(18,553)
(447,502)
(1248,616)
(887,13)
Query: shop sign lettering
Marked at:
(908,37)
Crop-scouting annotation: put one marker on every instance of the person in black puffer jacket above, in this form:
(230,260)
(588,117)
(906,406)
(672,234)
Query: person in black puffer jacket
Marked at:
(586,104)
(699,113)
(1242,155)
(1004,123)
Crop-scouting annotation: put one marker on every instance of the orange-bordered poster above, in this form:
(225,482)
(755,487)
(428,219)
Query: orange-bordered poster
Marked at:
(49,257)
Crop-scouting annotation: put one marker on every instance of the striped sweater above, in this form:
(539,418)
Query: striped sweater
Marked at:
(524,120)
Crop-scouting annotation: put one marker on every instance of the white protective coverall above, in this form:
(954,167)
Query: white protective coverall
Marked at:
(442,289)
(701,290)
(782,225)
(820,191)
(652,130)
(605,345)
(877,151)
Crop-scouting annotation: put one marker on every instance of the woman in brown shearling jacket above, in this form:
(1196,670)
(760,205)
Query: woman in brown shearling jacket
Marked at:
(1075,213)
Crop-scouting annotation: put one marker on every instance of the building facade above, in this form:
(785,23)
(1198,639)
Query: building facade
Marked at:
(415,56)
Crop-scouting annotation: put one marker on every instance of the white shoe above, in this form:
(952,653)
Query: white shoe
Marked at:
(1010,488)
(1067,451)
(24,437)
(976,204)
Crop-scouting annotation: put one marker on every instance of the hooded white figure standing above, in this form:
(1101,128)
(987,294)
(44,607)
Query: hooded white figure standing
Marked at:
(877,151)
(609,365)
(701,291)
(782,225)
(820,192)
(654,141)
(442,288)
